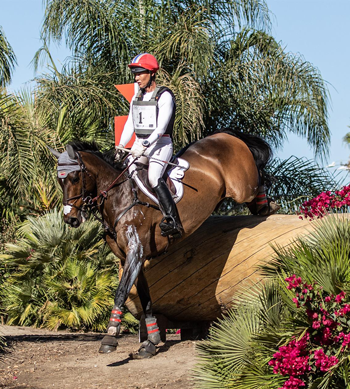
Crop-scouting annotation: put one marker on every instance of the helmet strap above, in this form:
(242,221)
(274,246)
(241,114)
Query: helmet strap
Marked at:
(151,79)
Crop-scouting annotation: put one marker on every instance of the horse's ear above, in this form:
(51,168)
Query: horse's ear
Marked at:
(71,152)
(54,152)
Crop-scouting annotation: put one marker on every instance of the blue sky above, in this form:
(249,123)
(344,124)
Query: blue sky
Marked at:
(317,29)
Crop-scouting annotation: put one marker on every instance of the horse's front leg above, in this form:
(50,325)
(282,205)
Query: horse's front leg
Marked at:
(148,347)
(131,270)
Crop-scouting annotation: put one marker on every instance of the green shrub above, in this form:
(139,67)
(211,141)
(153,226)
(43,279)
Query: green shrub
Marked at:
(266,317)
(57,276)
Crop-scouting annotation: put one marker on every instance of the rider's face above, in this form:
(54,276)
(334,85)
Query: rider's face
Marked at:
(142,79)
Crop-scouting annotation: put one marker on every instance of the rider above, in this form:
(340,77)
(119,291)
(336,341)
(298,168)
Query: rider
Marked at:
(151,117)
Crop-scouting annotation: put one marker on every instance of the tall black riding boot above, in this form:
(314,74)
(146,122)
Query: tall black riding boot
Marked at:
(170,224)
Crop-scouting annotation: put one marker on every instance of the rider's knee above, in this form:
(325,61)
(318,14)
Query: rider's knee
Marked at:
(153,181)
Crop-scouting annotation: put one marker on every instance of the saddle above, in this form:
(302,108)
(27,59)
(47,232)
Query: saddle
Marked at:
(173,176)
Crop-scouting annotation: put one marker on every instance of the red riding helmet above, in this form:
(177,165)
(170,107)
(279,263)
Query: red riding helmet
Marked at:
(144,62)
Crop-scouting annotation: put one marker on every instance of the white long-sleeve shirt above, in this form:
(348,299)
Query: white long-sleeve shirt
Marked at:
(165,111)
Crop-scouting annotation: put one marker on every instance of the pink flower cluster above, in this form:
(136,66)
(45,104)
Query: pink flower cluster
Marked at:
(323,362)
(31,251)
(292,359)
(293,282)
(293,383)
(324,202)
(315,353)
(346,341)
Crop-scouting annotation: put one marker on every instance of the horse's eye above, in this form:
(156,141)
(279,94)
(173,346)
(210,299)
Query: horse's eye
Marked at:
(75,178)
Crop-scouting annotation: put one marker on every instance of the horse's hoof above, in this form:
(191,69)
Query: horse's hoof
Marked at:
(147,350)
(269,209)
(143,354)
(106,348)
(108,344)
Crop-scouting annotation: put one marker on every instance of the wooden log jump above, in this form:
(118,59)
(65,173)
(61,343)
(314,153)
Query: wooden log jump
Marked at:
(196,280)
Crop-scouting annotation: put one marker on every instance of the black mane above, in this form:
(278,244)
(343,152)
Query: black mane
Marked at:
(93,148)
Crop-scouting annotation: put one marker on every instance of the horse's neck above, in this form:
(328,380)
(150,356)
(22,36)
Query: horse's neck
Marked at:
(103,172)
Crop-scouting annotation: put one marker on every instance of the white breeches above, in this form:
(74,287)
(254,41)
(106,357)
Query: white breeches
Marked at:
(162,150)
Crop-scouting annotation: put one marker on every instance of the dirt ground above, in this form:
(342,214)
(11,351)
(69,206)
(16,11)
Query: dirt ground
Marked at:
(41,359)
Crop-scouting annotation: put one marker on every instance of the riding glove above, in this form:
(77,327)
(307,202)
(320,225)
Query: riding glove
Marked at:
(138,151)
(119,155)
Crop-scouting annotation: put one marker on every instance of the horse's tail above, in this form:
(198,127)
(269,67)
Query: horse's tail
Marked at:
(260,149)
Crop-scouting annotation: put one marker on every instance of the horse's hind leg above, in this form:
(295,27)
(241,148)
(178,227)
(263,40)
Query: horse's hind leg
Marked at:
(148,348)
(131,271)
(262,205)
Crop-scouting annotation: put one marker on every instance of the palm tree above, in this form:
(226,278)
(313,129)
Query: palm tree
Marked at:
(290,189)
(346,138)
(27,182)
(7,60)
(218,58)
(58,276)
(26,166)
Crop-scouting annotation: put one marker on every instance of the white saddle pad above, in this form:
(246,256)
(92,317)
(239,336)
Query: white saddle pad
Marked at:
(176,175)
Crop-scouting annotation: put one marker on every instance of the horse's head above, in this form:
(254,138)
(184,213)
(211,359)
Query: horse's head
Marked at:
(77,184)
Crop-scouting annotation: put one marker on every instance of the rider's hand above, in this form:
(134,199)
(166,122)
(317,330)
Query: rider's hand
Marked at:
(138,151)
(119,155)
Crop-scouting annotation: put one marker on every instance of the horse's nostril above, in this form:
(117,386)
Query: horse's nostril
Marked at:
(73,221)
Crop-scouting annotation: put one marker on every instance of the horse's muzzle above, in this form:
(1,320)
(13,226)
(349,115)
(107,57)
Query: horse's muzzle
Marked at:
(73,221)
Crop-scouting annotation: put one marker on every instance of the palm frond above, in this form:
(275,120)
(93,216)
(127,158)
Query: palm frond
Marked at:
(189,105)
(58,276)
(295,180)
(190,39)
(7,60)
(322,256)
(78,105)
(239,347)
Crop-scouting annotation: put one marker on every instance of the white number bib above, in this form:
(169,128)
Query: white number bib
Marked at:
(144,117)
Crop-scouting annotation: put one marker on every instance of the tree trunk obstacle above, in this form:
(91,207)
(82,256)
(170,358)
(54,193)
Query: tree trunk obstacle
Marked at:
(195,282)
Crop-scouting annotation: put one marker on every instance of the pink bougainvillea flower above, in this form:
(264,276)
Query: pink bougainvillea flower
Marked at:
(340,297)
(325,202)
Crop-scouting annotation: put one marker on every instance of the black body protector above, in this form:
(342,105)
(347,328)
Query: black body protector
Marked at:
(145,117)
(145,113)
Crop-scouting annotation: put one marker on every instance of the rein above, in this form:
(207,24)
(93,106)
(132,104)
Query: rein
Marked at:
(104,192)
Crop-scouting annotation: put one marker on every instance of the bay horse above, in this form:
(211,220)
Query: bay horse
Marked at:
(226,164)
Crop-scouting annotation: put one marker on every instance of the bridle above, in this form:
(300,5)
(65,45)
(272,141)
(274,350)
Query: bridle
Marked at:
(86,196)
(92,204)
(82,195)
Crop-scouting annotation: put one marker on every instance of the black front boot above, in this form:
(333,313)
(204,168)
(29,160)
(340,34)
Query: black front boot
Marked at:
(170,224)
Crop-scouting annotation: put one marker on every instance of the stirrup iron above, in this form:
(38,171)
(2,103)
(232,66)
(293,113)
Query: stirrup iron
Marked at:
(169,227)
